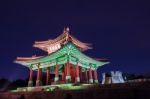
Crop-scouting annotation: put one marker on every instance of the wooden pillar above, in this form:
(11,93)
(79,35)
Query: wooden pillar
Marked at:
(90,76)
(38,80)
(63,76)
(86,76)
(77,74)
(30,82)
(80,73)
(68,77)
(95,76)
(56,79)
(48,76)
(65,72)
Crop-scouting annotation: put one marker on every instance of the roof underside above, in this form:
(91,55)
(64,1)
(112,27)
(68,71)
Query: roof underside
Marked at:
(69,52)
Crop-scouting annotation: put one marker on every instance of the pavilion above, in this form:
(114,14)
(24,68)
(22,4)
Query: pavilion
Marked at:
(65,59)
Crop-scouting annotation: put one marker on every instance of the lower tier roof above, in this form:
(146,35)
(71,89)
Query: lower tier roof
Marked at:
(68,53)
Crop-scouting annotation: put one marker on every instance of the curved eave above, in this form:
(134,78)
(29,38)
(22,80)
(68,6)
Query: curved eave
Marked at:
(23,63)
(29,65)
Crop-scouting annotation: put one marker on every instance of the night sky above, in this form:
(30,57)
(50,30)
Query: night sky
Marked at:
(119,31)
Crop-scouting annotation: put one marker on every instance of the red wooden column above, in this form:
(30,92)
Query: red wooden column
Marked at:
(86,76)
(80,73)
(65,72)
(38,80)
(48,76)
(90,76)
(95,76)
(30,82)
(63,76)
(72,73)
(56,79)
(77,74)
(68,77)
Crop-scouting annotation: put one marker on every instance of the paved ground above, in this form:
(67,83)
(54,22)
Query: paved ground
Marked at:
(113,91)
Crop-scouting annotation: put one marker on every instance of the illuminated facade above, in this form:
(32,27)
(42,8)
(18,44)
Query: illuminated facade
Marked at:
(115,77)
(65,59)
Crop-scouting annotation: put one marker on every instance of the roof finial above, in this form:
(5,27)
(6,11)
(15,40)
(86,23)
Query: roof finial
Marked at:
(66,29)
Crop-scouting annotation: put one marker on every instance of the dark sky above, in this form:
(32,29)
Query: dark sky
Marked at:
(119,30)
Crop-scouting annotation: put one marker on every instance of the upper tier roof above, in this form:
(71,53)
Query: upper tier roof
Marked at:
(53,45)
